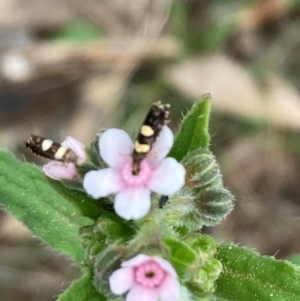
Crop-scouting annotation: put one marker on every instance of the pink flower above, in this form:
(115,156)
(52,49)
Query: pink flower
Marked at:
(147,279)
(59,170)
(133,192)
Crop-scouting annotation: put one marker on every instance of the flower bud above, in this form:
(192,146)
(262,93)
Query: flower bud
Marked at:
(202,169)
(106,263)
(93,152)
(92,242)
(183,257)
(114,228)
(108,229)
(204,200)
(204,246)
(203,283)
(66,170)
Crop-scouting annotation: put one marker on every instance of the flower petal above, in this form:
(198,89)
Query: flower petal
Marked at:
(162,146)
(168,178)
(170,289)
(115,145)
(76,146)
(121,280)
(135,261)
(101,183)
(132,203)
(165,265)
(58,170)
(139,293)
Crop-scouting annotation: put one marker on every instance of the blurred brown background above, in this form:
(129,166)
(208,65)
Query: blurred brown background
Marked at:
(71,67)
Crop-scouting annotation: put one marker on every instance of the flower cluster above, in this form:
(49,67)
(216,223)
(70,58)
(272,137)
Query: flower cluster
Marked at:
(139,261)
(142,278)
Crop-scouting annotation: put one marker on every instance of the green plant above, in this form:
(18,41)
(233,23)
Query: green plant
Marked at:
(98,240)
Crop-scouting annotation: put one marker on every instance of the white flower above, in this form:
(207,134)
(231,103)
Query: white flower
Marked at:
(133,192)
(146,278)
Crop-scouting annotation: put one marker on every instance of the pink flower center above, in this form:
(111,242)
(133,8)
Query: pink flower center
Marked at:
(139,180)
(149,274)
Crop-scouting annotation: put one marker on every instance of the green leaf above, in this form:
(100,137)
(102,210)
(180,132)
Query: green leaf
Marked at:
(114,228)
(86,206)
(82,290)
(249,276)
(183,257)
(26,194)
(193,132)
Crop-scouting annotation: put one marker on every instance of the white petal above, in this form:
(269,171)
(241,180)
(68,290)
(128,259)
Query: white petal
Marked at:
(139,293)
(165,265)
(168,178)
(115,146)
(58,170)
(133,203)
(162,146)
(101,183)
(136,261)
(170,289)
(76,146)
(121,281)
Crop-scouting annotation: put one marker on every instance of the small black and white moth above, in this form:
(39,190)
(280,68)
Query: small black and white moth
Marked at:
(157,117)
(52,150)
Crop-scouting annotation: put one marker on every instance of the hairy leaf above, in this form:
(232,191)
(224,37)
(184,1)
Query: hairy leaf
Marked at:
(193,132)
(183,257)
(26,194)
(249,276)
(86,206)
(82,290)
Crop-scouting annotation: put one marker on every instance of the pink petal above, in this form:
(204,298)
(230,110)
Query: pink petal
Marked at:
(121,281)
(165,265)
(115,146)
(162,146)
(101,183)
(136,261)
(139,293)
(76,146)
(170,289)
(58,170)
(168,178)
(133,203)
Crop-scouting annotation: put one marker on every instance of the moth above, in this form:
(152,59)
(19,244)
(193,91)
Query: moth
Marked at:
(156,118)
(52,150)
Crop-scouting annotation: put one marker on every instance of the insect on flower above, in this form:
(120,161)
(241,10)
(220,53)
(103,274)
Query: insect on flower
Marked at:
(64,156)
(51,150)
(152,126)
(137,169)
